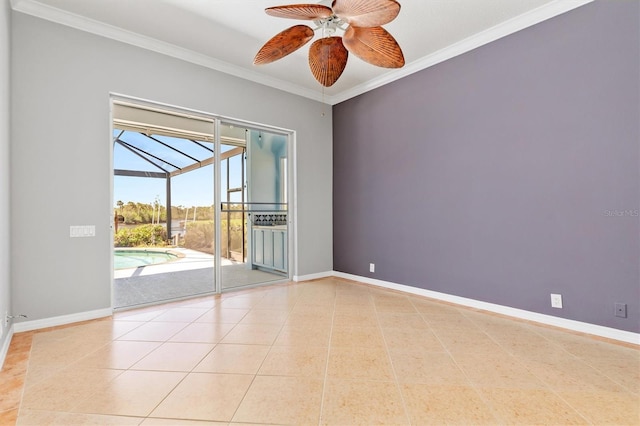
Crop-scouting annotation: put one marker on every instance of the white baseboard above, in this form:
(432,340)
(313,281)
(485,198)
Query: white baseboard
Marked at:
(582,327)
(597,330)
(4,350)
(61,320)
(298,278)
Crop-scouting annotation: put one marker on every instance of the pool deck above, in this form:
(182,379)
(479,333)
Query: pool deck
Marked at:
(190,259)
(189,275)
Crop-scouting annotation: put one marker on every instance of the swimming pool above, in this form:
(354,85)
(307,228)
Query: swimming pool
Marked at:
(134,258)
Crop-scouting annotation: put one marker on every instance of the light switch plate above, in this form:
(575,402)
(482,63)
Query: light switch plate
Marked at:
(80,231)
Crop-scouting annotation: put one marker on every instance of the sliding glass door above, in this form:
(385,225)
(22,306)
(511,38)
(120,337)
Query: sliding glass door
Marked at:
(200,205)
(253,221)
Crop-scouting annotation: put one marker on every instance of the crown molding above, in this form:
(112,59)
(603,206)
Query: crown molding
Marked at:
(548,11)
(503,29)
(46,12)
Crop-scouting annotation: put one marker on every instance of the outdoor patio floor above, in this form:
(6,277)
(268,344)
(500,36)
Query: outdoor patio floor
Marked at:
(190,275)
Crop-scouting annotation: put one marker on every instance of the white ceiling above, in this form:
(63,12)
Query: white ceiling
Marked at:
(226,34)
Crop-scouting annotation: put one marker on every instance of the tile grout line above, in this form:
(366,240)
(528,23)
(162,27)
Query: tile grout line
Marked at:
(471,383)
(546,384)
(595,368)
(128,368)
(326,367)
(167,340)
(254,375)
(393,368)
(486,328)
(515,357)
(23,374)
(181,380)
(235,412)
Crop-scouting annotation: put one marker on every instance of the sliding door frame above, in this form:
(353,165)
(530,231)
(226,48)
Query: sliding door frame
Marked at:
(217,120)
(291,198)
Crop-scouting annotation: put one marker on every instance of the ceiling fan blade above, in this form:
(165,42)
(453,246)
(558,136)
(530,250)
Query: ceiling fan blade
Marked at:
(327,59)
(374,45)
(309,12)
(284,43)
(366,13)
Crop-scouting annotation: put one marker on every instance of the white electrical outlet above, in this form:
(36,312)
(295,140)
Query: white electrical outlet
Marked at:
(372,267)
(556,301)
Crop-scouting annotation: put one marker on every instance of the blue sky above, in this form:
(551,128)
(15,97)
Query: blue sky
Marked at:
(194,188)
(191,189)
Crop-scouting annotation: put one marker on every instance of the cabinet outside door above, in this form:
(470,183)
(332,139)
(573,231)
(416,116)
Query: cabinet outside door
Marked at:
(280,250)
(270,248)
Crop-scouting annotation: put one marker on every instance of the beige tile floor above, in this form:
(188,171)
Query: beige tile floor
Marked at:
(323,352)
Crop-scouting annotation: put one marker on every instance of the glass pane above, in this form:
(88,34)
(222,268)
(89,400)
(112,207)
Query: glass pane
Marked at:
(186,151)
(162,253)
(233,223)
(260,228)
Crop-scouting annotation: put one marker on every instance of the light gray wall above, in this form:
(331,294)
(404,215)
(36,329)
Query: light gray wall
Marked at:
(5,288)
(504,174)
(61,147)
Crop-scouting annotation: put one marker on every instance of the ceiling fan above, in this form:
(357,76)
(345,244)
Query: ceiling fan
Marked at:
(361,21)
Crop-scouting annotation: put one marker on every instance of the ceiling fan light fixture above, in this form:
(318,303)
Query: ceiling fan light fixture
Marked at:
(329,26)
(364,37)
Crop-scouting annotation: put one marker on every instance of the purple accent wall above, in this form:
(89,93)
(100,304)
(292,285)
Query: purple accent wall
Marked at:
(504,174)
